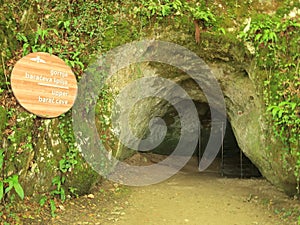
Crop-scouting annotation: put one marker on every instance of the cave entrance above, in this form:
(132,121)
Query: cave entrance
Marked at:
(230,161)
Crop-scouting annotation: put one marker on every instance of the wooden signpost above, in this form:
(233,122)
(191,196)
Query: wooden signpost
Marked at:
(44,85)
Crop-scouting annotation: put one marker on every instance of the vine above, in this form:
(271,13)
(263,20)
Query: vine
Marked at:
(276,42)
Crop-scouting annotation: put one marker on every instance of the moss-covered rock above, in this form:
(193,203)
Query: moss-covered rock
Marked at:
(241,82)
(81,179)
(19,145)
(34,149)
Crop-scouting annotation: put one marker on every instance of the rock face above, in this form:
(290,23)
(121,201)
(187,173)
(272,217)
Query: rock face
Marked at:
(234,68)
(33,151)
(237,75)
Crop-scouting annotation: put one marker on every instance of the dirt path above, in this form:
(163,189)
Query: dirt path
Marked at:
(188,198)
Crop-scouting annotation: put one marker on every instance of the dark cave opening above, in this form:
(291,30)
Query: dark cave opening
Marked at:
(231,159)
(233,162)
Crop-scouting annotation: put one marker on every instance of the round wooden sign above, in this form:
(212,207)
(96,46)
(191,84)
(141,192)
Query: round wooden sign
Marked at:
(44,85)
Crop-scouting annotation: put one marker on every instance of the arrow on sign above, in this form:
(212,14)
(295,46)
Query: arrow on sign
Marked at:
(38,60)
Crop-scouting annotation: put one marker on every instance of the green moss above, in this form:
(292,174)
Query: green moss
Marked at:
(20,142)
(3,120)
(123,32)
(82,177)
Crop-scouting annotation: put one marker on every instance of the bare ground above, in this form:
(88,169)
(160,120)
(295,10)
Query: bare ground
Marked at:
(188,198)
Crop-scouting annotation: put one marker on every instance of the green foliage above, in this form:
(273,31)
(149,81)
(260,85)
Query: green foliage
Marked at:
(52,207)
(41,41)
(11,183)
(58,181)
(161,9)
(203,14)
(60,28)
(104,117)
(43,201)
(1,189)
(66,164)
(285,118)
(50,202)
(276,41)
(7,184)
(66,133)
(262,32)
(73,191)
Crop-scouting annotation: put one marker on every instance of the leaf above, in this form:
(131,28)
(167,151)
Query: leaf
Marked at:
(296,24)
(1,157)
(25,47)
(55,180)
(22,37)
(62,166)
(257,37)
(222,30)
(50,50)
(63,178)
(14,179)
(62,194)
(265,37)
(293,105)
(44,33)
(13,182)
(1,190)
(10,184)
(55,32)
(74,56)
(283,103)
(43,201)
(55,192)
(81,65)
(18,188)
(274,109)
(52,207)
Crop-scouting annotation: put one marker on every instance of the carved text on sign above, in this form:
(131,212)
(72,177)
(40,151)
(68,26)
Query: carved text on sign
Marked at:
(44,85)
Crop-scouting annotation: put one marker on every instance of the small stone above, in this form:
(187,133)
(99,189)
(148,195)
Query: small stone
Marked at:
(61,207)
(91,196)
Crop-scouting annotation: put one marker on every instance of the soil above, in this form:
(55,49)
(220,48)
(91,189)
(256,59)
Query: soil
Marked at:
(187,198)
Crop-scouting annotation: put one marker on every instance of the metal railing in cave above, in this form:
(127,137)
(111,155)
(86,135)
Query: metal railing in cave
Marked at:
(234,163)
